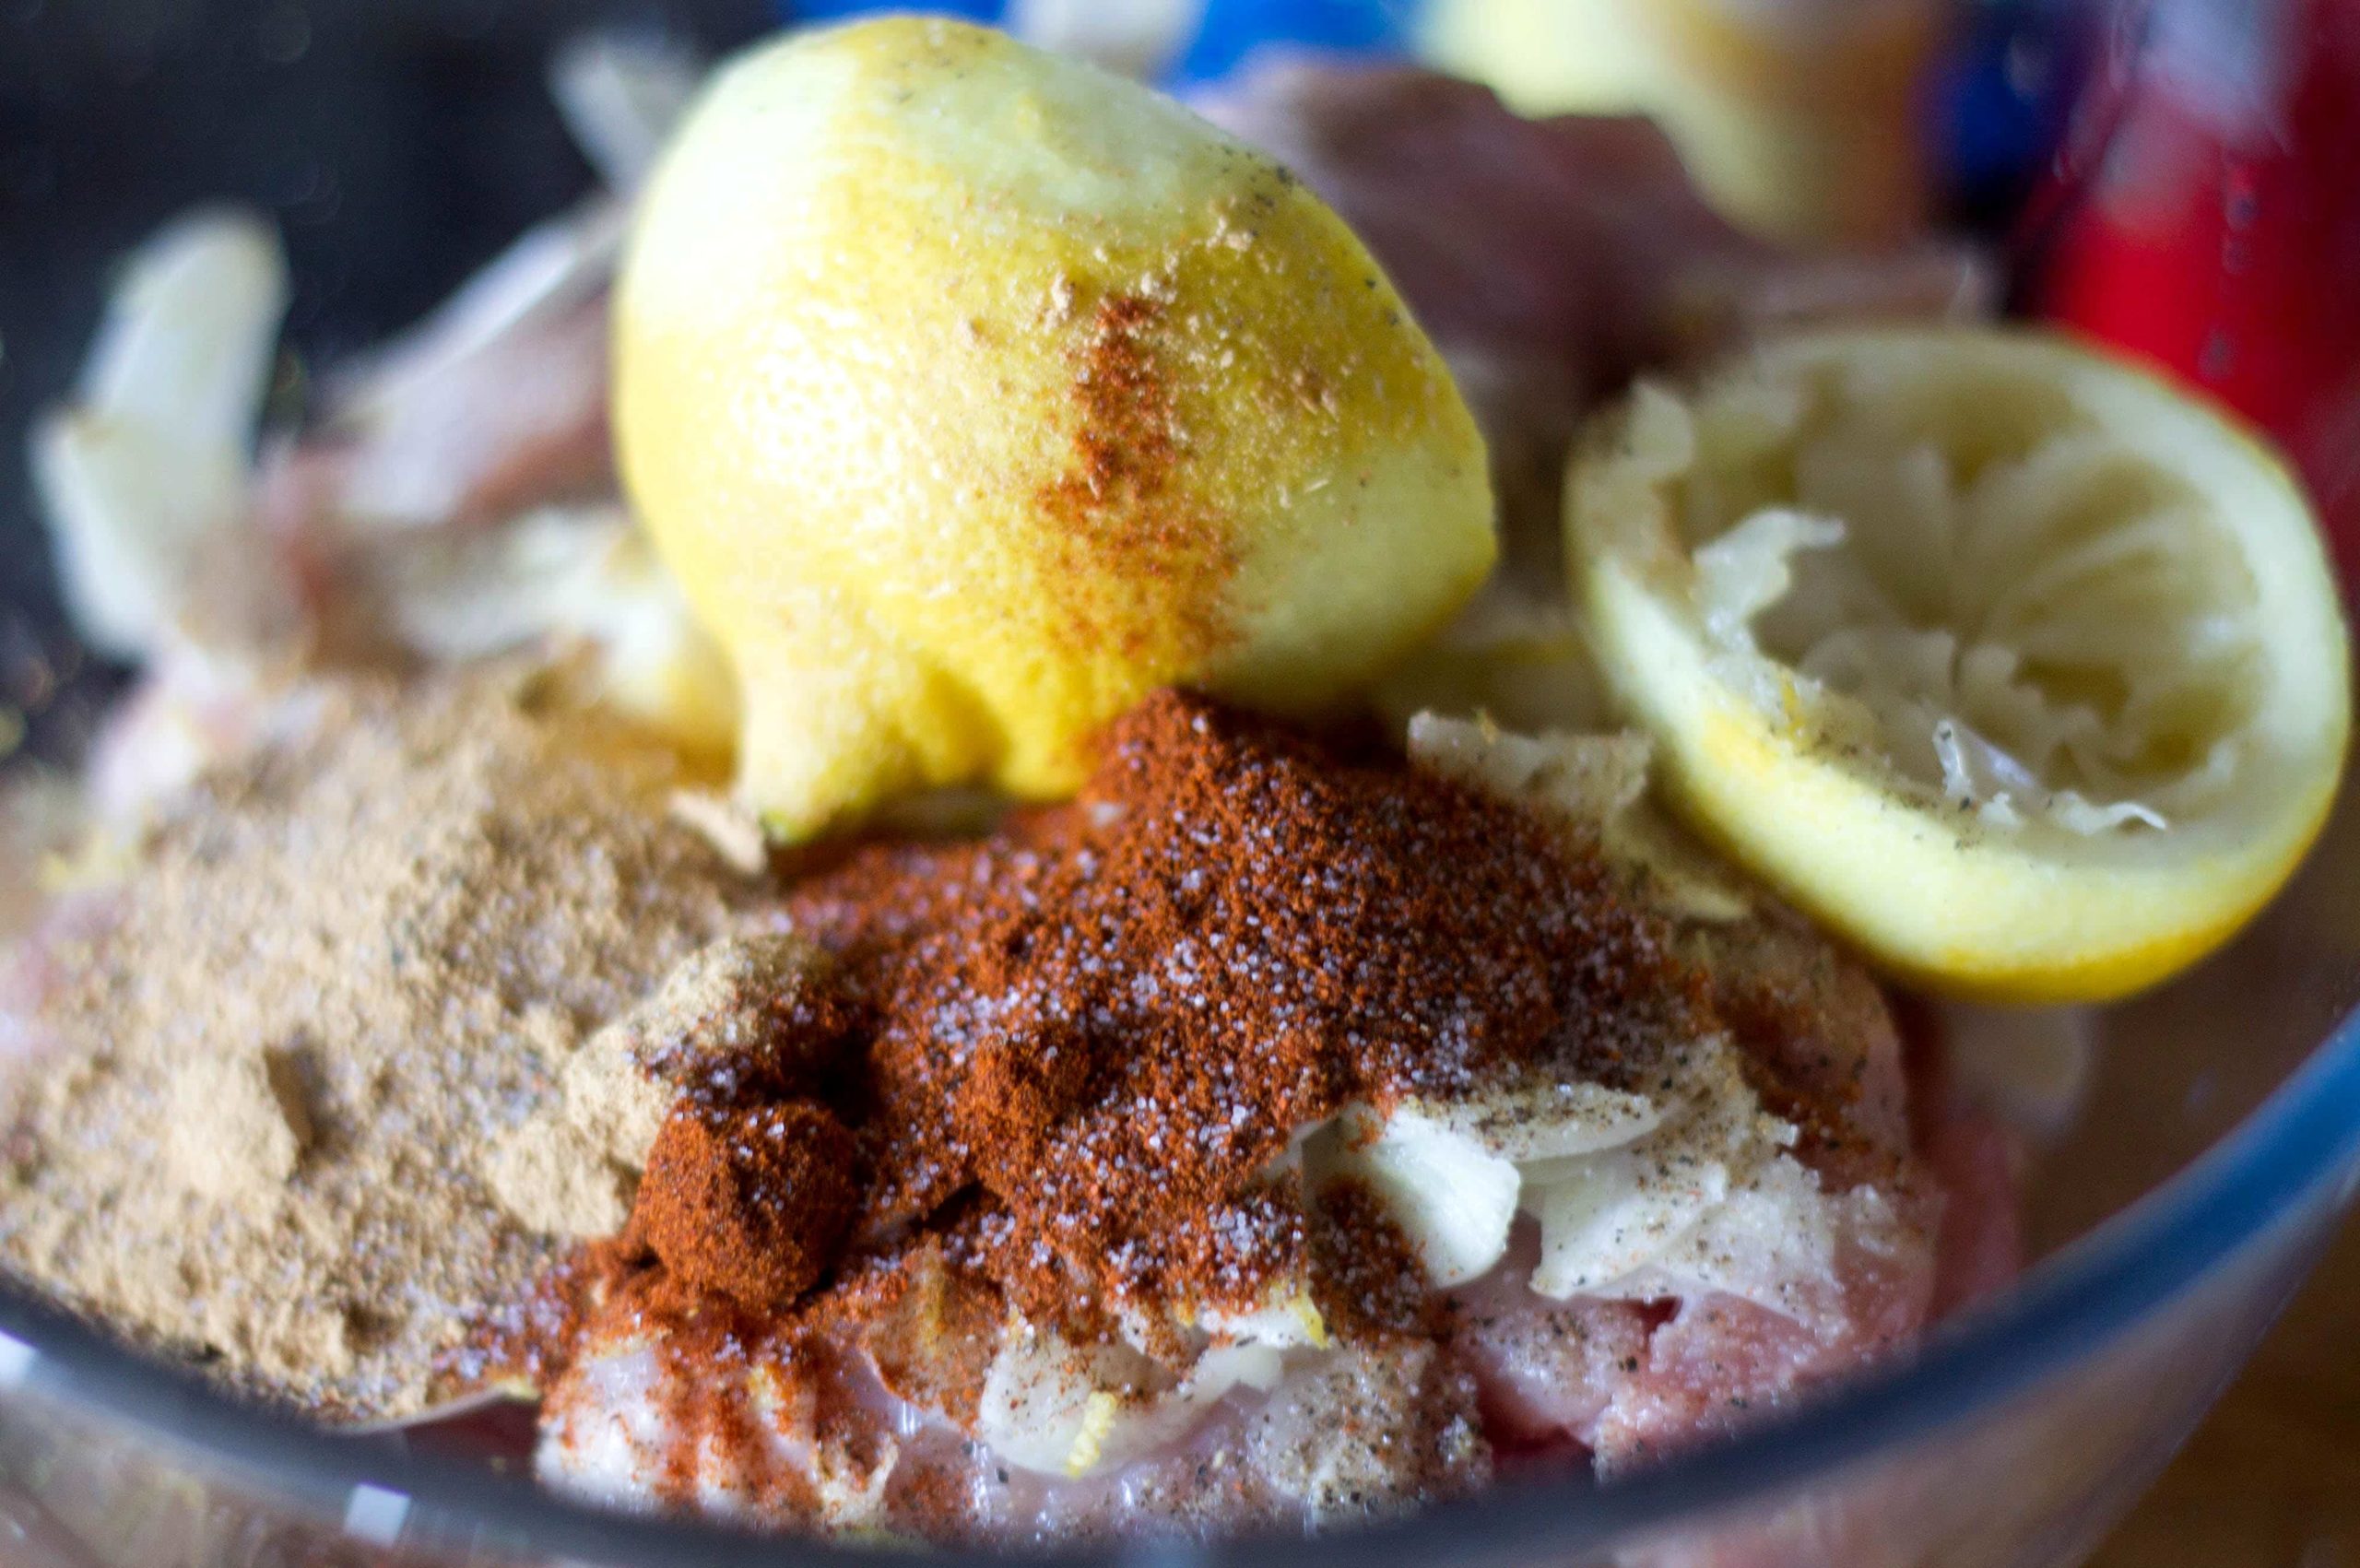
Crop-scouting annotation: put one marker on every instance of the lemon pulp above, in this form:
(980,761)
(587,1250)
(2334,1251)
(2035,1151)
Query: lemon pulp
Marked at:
(2018,667)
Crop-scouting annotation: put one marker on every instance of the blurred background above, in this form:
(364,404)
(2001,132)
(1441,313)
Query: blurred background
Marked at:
(2170,174)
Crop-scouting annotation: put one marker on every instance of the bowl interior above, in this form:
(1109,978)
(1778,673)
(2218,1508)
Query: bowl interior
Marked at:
(2172,1073)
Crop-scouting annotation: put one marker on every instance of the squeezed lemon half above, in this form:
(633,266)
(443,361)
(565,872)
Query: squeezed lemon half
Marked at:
(2019,668)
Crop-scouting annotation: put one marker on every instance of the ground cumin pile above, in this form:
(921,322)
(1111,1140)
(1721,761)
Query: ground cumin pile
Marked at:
(1083,1045)
(262,1096)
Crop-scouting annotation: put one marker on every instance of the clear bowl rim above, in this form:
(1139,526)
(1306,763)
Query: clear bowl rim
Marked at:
(2300,1146)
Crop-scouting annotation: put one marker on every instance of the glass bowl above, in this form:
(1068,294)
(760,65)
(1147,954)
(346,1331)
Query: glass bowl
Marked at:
(2219,1146)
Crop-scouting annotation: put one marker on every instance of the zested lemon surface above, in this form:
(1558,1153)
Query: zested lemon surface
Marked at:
(2017,666)
(972,394)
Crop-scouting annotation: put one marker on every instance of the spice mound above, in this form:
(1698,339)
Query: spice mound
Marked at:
(749,1203)
(1112,1022)
(261,1083)
(1234,1144)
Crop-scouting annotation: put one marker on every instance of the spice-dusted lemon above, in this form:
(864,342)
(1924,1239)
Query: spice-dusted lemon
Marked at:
(2019,668)
(973,393)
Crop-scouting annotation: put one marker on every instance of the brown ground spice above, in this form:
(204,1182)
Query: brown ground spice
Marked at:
(257,1106)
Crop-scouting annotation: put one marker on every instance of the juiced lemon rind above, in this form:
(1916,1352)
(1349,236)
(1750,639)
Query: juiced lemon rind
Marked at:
(2029,912)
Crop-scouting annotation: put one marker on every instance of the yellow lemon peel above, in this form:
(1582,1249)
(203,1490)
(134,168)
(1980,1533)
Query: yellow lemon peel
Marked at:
(2039,686)
(972,393)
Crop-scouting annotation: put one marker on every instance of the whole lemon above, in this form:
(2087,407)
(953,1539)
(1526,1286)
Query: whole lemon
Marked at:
(973,393)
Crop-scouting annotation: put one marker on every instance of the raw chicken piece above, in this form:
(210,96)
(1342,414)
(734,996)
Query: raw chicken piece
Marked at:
(1577,239)
(1630,1381)
(516,421)
(1820,1030)
(1722,1363)
(1547,1371)
(797,1431)
(1844,1224)
(1549,259)
(1981,1247)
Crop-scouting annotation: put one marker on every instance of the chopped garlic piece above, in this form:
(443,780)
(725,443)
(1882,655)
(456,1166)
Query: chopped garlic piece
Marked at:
(583,572)
(1544,1119)
(1452,1198)
(1059,1408)
(620,94)
(1605,1218)
(1138,40)
(151,467)
(1599,1225)
(1287,1319)
(192,332)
